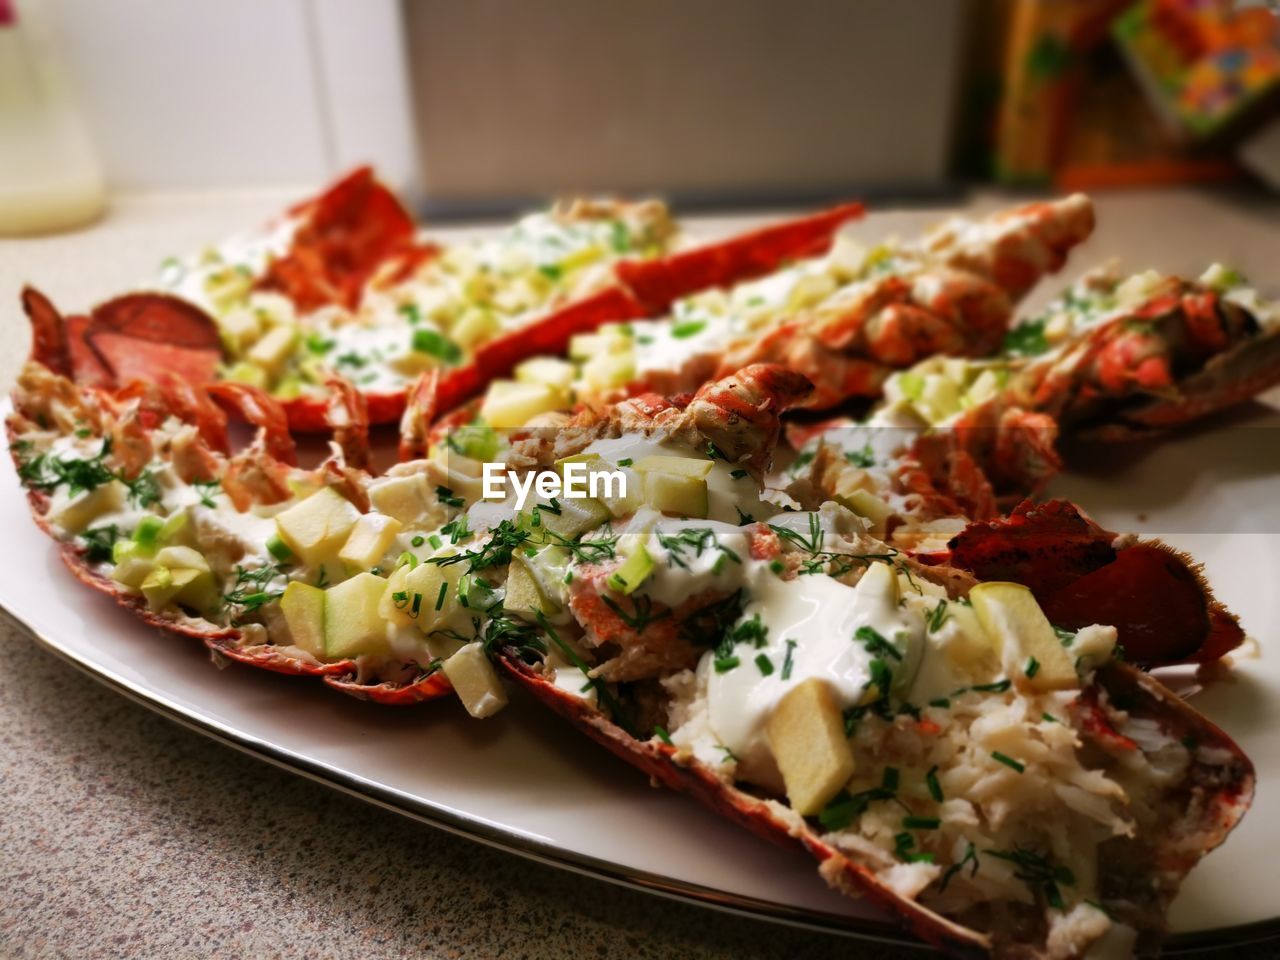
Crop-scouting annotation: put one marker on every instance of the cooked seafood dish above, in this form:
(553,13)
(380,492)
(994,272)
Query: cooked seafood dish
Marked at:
(863,636)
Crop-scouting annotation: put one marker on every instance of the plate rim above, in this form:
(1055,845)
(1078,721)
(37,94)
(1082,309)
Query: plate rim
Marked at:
(495,837)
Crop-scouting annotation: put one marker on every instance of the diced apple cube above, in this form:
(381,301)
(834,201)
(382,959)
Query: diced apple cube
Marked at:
(548,370)
(627,500)
(410,499)
(1011,616)
(608,371)
(352,623)
(132,570)
(524,595)
(190,588)
(584,346)
(424,595)
(677,494)
(576,515)
(369,541)
(941,396)
(317,527)
(240,329)
(475,681)
(509,404)
(986,386)
(87,506)
(182,558)
(271,351)
(303,608)
(680,466)
(868,505)
(474,328)
(246,372)
(969,648)
(806,735)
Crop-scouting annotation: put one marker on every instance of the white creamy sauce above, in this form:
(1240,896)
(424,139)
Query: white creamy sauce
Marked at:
(189,277)
(671,342)
(672,583)
(375,354)
(821,616)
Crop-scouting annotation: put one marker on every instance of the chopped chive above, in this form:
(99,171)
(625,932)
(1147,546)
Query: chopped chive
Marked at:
(417,604)
(418,541)
(407,558)
(970,855)
(440,595)
(435,541)
(568,576)
(278,548)
(448,499)
(400,598)
(765,664)
(661,734)
(889,779)
(725,664)
(718,565)
(687,329)
(787,662)
(921,823)
(436,344)
(738,474)
(1053,896)
(1000,686)
(625,462)
(942,702)
(931,781)
(1033,667)
(1049,718)
(937,616)
(875,642)
(903,843)
(1008,761)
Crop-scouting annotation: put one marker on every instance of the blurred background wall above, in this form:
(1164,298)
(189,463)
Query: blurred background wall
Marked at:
(240,93)
(485,104)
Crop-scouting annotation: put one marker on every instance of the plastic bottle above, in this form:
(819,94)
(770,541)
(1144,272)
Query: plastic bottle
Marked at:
(49,176)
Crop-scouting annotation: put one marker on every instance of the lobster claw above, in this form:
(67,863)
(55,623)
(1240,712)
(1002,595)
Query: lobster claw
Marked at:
(124,339)
(1156,597)
(347,234)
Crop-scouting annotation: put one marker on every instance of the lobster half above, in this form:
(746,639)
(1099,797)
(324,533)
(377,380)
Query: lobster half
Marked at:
(340,263)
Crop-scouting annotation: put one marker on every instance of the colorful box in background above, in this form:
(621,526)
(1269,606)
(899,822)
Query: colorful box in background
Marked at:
(1110,93)
(1208,67)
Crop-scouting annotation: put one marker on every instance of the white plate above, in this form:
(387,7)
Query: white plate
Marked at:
(527,783)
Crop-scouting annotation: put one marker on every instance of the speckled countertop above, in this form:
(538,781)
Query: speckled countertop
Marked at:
(123,833)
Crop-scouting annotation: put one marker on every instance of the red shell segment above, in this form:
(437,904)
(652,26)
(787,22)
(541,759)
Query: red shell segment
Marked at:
(392,694)
(266,657)
(659,282)
(347,233)
(1162,608)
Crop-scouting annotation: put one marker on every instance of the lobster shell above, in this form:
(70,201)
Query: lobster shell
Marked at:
(1222,791)
(1157,598)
